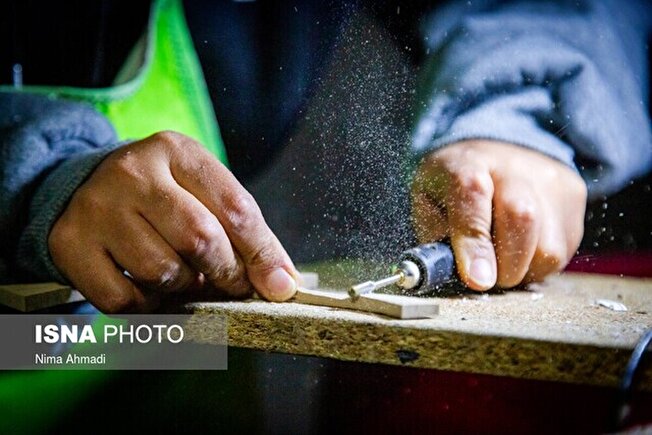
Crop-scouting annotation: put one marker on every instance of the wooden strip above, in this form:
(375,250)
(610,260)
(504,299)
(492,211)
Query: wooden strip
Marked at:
(400,307)
(33,297)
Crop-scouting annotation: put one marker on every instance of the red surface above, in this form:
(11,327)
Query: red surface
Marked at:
(377,399)
(382,399)
(639,264)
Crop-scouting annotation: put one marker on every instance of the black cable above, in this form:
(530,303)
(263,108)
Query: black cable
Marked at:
(626,388)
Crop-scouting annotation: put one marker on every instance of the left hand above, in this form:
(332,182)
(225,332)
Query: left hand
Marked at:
(513,215)
(177,220)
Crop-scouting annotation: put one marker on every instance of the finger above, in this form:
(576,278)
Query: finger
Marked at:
(516,231)
(269,268)
(268,265)
(429,221)
(198,237)
(469,208)
(551,254)
(105,286)
(574,221)
(148,258)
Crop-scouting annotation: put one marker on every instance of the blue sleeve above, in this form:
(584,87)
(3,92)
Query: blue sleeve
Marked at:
(47,149)
(566,78)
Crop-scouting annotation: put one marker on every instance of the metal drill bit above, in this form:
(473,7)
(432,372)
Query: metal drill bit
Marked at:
(407,276)
(371,286)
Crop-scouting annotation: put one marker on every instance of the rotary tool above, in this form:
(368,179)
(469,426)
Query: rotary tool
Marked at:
(421,270)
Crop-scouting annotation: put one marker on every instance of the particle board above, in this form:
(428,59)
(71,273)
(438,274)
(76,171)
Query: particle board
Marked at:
(557,330)
(550,331)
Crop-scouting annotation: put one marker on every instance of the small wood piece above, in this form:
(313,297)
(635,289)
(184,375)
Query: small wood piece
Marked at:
(309,280)
(401,307)
(32,297)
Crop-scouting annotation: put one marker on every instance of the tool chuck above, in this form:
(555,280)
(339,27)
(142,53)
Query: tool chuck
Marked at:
(421,270)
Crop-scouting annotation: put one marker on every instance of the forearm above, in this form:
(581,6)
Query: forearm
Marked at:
(48,148)
(568,80)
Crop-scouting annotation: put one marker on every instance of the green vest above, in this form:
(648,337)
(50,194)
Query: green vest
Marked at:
(160,87)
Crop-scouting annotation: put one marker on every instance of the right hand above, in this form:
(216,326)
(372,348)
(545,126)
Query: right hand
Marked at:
(513,215)
(172,216)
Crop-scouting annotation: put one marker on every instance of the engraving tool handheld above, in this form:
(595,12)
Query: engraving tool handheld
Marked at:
(421,270)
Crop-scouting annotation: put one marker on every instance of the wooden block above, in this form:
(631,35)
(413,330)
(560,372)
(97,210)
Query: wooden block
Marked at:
(400,307)
(32,297)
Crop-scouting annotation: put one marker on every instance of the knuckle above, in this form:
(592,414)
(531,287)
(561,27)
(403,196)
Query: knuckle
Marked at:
(265,256)
(172,140)
(449,154)
(522,212)
(89,202)
(160,274)
(168,137)
(199,244)
(242,213)
(162,194)
(126,165)
(433,160)
(229,278)
(260,257)
(201,239)
(473,183)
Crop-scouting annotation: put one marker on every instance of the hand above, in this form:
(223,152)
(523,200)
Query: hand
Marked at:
(167,212)
(512,214)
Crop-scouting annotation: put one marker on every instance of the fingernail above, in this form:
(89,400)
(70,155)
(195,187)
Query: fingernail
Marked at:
(280,284)
(481,272)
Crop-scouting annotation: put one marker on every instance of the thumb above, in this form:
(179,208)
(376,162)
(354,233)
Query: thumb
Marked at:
(469,217)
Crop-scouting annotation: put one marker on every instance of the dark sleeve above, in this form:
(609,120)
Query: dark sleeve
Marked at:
(566,78)
(47,149)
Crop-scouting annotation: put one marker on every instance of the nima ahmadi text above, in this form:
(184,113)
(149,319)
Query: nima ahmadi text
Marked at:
(71,358)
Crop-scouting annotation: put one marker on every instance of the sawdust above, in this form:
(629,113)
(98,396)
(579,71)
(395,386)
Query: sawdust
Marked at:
(340,188)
